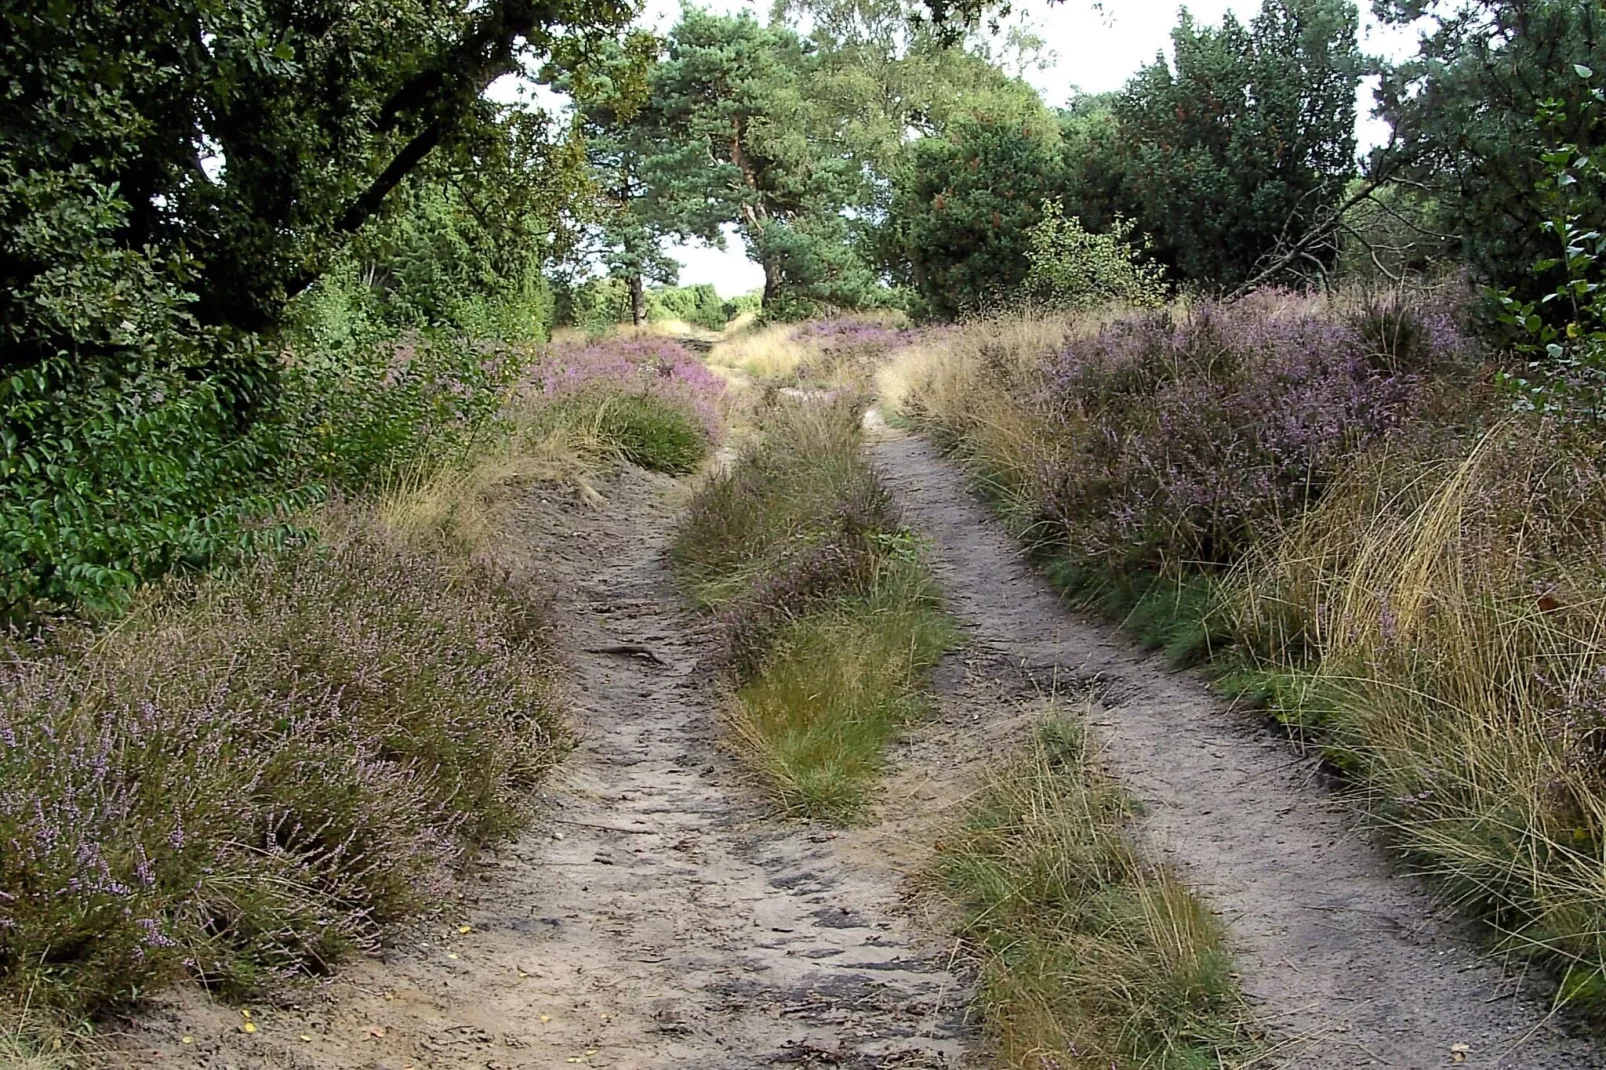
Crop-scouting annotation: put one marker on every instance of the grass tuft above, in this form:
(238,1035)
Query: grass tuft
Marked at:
(830,620)
(1090,956)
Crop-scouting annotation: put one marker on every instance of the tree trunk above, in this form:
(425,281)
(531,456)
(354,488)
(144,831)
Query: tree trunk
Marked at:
(638,301)
(772,284)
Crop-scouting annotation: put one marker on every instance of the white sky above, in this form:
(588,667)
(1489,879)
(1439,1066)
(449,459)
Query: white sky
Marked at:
(1094,51)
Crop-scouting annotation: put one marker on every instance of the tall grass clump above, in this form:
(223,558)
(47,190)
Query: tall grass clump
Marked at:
(1447,618)
(834,350)
(1090,956)
(250,773)
(830,620)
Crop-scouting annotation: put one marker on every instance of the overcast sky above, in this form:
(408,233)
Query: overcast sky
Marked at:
(1094,51)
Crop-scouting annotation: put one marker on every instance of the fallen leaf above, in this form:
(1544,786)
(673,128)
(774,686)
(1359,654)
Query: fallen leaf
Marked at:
(451,954)
(1458,1052)
(545,1018)
(376,1030)
(187,1040)
(249,1027)
(307,1037)
(465,928)
(245,1014)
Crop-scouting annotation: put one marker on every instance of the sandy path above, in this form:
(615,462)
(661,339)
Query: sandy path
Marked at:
(1336,948)
(653,918)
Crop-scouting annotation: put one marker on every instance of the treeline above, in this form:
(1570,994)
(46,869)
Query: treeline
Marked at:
(874,160)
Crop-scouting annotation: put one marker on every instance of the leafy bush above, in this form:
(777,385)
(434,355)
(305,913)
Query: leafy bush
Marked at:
(251,774)
(698,305)
(109,479)
(1071,267)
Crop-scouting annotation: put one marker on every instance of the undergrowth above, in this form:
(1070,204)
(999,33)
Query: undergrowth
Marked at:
(249,774)
(830,620)
(1090,956)
(1316,498)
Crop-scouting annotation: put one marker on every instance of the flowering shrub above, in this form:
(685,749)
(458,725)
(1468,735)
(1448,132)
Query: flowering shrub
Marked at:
(240,789)
(841,342)
(652,367)
(1182,438)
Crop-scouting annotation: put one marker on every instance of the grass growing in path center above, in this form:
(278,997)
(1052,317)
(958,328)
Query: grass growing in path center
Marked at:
(1090,956)
(830,620)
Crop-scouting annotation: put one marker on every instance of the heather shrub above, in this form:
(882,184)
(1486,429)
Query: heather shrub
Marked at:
(252,772)
(655,368)
(1181,437)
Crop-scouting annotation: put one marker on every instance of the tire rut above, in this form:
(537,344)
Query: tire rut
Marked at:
(1346,958)
(654,917)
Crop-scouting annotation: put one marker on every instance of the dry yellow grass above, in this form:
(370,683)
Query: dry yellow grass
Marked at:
(1462,668)
(463,503)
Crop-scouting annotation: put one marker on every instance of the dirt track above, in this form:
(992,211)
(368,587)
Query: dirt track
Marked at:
(1341,953)
(657,918)
(654,917)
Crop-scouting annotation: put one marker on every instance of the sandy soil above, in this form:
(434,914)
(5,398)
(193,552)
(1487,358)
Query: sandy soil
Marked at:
(1346,957)
(654,917)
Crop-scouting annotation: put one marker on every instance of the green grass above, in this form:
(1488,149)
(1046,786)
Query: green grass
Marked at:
(1090,956)
(835,688)
(653,433)
(830,619)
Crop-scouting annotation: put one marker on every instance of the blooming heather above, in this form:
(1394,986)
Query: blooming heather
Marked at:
(1184,438)
(655,366)
(244,787)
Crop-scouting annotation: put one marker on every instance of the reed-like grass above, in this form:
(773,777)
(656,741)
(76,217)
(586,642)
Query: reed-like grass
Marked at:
(1091,956)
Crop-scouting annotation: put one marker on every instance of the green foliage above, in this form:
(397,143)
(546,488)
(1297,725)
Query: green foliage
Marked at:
(1090,956)
(1563,334)
(1464,111)
(108,481)
(172,177)
(965,205)
(698,305)
(1073,268)
(1246,139)
(732,93)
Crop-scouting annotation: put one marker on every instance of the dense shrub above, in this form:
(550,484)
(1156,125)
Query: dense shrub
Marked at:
(251,774)
(1184,437)
(109,480)
(648,367)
